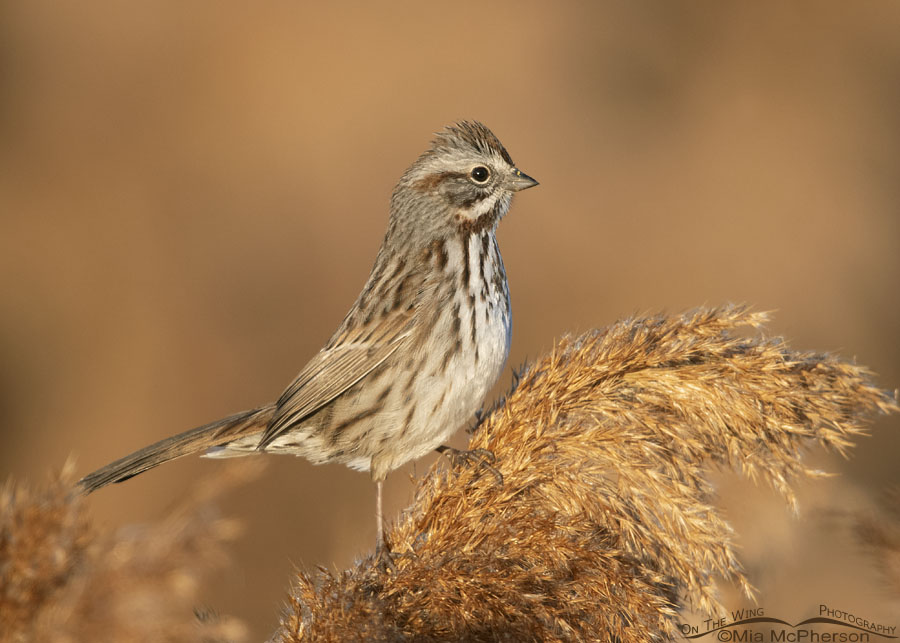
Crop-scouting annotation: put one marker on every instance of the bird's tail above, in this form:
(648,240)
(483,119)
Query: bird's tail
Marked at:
(196,440)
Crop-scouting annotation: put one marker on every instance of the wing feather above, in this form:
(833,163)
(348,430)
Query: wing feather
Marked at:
(355,351)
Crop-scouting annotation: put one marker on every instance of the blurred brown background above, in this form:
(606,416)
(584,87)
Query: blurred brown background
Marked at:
(192,195)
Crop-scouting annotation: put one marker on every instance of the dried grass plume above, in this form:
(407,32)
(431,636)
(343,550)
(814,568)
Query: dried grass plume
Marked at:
(62,580)
(602,527)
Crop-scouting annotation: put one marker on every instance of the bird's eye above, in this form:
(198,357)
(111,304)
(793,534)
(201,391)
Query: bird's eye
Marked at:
(480,174)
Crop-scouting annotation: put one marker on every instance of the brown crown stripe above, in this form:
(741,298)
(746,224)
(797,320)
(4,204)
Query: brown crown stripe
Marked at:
(477,136)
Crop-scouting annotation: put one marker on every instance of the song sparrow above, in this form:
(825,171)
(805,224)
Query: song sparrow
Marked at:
(424,341)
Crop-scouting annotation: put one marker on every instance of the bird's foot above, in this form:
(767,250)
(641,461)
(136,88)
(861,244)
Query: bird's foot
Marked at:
(384,558)
(474,457)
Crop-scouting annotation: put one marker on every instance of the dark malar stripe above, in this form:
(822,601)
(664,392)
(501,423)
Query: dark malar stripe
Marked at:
(468,227)
(478,198)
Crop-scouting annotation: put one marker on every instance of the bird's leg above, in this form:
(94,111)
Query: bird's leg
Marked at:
(379,520)
(476,457)
(384,559)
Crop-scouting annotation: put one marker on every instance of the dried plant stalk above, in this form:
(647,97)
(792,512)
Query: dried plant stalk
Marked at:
(62,580)
(602,527)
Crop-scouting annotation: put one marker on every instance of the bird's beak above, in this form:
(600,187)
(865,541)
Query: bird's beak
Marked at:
(520,181)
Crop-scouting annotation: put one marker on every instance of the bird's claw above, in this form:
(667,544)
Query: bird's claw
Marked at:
(472,457)
(384,559)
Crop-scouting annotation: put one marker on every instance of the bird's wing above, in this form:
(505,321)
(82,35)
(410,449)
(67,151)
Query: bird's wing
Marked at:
(351,355)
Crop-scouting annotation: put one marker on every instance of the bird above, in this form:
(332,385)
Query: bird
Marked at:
(413,359)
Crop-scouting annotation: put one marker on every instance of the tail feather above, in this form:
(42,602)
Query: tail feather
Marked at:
(196,440)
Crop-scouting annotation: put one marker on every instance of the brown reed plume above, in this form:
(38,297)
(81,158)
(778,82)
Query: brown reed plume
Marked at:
(63,580)
(602,526)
